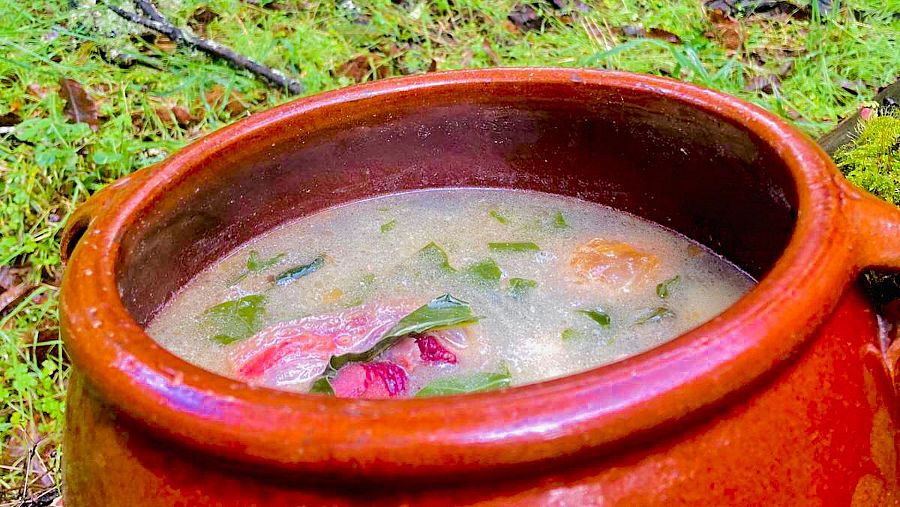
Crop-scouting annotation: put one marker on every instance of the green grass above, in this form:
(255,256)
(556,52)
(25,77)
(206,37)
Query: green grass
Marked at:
(48,166)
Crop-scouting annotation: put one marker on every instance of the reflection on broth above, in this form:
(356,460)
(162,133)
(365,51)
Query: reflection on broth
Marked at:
(444,291)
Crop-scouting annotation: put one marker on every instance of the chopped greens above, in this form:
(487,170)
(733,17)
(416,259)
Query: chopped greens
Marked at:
(559,221)
(237,319)
(436,255)
(439,313)
(571,334)
(322,386)
(498,217)
(655,315)
(486,270)
(514,247)
(298,272)
(350,303)
(389,226)
(519,286)
(597,316)
(664,289)
(473,383)
(255,265)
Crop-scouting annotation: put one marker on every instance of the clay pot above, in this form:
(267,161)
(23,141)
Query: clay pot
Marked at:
(785,399)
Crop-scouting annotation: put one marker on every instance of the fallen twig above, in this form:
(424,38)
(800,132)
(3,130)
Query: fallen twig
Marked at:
(155,21)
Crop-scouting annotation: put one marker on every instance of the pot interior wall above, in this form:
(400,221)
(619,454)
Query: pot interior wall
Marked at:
(656,157)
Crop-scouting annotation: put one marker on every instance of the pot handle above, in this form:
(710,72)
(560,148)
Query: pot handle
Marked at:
(877,226)
(80,220)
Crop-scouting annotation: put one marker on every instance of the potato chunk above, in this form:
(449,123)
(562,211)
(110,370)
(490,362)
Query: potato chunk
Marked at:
(614,264)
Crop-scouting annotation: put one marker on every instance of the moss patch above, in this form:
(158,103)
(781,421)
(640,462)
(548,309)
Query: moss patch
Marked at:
(872,160)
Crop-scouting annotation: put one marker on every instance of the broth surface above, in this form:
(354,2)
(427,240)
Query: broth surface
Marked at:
(544,318)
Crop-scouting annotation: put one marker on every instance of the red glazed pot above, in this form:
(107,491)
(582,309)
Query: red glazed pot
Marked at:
(787,398)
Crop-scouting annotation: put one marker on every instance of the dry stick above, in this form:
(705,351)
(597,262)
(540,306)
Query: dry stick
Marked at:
(158,23)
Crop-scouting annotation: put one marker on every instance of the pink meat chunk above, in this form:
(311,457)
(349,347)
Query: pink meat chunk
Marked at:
(292,354)
(433,351)
(371,381)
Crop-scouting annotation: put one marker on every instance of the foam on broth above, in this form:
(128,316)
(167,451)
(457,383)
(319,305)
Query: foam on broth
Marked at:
(370,251)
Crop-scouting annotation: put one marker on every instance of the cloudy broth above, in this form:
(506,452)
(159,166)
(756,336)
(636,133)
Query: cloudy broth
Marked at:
(535,286)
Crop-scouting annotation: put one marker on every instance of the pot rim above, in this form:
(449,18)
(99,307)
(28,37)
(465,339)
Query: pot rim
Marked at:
(551,420)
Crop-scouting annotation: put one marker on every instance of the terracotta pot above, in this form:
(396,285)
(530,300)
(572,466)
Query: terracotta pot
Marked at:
(787,398)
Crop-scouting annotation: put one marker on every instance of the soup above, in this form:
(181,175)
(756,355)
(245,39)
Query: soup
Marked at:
(444,291)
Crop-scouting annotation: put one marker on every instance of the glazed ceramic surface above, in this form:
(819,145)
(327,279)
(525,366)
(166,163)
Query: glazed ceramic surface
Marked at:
(788,398)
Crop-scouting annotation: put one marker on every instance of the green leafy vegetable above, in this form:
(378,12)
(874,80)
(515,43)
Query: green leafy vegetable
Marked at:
(255,265)
(498,217)
(322,386)
(664,289)
(389,226)
(440,313)
(559,221)
(237,319)
(476,382)
(298,272)
(571,334)
(514,247)
(486,270)
(434,254)
(519,286)
(597,316)
(655,315)
(350,303)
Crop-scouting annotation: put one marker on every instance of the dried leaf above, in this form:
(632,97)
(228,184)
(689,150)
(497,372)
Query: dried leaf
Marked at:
(569,5)
(201,17)
(137,121)
(433,66)
(766,8)
(467,56)
(357,68)
(10,119)
(7,277)
(183,116)
(36,90)
(524,17)
(232,100)
(165,44)
(489,51)
(28,444)
(392,50)
(765,84)
(80,107)
(784,69)
(180,114)
(12,294)
(659,33)
(726,31)
(652,33)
